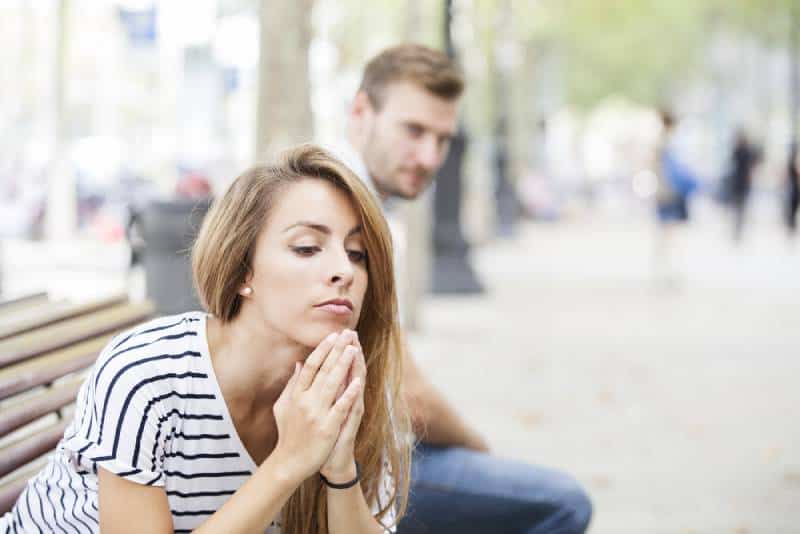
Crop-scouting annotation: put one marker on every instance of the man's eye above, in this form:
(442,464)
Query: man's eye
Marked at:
(305,251)
(414,130)
(357,256)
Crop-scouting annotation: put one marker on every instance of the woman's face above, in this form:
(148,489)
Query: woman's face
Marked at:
(309,271)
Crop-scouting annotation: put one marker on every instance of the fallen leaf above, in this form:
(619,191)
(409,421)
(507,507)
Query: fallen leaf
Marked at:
(529,419)
(601,481)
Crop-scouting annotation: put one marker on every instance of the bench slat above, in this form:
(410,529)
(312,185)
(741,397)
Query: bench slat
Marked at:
(25,346)
(42,342)
(24,299)
(27,320)
(45,369)
(31,447)
(11,489)
(38,406)
(22,304)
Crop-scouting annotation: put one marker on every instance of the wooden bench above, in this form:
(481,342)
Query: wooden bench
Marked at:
(46,348)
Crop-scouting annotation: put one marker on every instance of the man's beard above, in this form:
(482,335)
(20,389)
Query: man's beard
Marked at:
(384,176)
(391,187)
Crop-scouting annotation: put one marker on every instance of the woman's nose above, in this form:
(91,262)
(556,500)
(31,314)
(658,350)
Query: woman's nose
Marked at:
(342,270)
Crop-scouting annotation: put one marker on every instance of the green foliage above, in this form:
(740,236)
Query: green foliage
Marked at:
(639,48)
(642,49)
(767,19)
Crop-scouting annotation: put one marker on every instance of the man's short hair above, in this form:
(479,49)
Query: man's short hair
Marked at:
(420,65)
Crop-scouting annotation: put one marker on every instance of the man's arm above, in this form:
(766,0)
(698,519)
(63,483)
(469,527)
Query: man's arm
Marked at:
(433,418)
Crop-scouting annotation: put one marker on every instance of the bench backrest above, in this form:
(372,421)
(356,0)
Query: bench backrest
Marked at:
(46,348)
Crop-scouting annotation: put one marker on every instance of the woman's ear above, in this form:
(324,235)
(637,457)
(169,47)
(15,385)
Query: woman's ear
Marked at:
(246,289)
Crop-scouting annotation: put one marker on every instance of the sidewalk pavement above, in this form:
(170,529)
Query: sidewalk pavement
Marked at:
(671,403)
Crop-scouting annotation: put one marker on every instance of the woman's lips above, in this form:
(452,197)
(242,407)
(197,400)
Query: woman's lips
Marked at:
(336,309)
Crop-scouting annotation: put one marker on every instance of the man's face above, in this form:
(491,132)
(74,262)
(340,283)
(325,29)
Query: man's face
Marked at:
(406,140)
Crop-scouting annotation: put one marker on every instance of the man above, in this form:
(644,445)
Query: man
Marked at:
(399,130)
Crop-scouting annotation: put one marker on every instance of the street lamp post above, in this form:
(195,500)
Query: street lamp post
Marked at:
(505,195)
(794,69)
(792,178)
(452,273)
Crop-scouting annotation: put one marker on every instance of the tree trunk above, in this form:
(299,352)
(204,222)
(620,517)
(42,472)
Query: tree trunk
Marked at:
(284,101)
(62,211)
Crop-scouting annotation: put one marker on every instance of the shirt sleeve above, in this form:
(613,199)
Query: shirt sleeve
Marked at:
(116,423)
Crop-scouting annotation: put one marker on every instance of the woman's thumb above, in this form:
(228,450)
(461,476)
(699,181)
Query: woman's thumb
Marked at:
(290,384)
(289,387)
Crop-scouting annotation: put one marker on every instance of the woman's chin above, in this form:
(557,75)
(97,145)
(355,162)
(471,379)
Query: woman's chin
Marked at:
(313,338)
(321,327)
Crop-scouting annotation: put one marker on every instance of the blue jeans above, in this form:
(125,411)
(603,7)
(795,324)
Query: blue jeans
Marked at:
(455,490)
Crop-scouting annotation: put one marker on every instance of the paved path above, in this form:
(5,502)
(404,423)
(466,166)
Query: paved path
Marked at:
(675,404)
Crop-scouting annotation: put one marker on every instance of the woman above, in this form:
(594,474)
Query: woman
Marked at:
(675,185)
(260,415)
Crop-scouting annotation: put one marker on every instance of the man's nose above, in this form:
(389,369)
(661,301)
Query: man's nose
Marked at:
(428,153)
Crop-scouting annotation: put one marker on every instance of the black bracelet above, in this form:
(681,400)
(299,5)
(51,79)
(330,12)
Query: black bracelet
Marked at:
(345,485)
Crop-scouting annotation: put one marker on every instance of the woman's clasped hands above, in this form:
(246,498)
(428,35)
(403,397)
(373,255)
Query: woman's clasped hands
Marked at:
(319,411)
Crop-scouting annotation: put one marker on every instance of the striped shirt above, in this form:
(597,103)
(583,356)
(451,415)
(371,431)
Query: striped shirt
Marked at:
(151,411)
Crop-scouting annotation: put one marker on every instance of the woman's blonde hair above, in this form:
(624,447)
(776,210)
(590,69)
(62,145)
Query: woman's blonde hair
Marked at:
(222,259)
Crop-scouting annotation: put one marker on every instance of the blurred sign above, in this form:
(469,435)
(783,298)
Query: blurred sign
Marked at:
(140,25)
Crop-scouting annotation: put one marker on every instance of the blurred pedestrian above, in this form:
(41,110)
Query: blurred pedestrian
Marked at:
(402,120)
(744,157)
(792,190)
(676,183)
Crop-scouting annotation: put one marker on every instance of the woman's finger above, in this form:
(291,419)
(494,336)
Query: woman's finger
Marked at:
(361,365)
(346,381)
(288,389)
(329,383)
(342,407)
(314,361)
(353,420)
(330,363)
(290,385)
(344,339)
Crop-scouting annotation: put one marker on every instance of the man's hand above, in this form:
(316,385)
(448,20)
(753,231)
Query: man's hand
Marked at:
(476,442)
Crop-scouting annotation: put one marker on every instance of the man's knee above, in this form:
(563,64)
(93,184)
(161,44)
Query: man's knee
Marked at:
(573,508)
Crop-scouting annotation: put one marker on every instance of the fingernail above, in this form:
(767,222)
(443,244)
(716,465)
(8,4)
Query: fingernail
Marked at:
(331,336)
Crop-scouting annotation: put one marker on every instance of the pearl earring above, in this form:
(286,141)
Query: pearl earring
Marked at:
(247,291)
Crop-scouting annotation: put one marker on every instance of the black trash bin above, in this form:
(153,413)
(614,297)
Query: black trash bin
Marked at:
(168,228)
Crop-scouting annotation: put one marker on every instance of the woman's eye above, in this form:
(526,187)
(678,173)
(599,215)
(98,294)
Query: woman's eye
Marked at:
(305,251)
(357,256)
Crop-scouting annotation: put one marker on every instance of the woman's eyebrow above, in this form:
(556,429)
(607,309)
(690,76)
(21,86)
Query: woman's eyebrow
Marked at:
(320,228)
(314,226)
